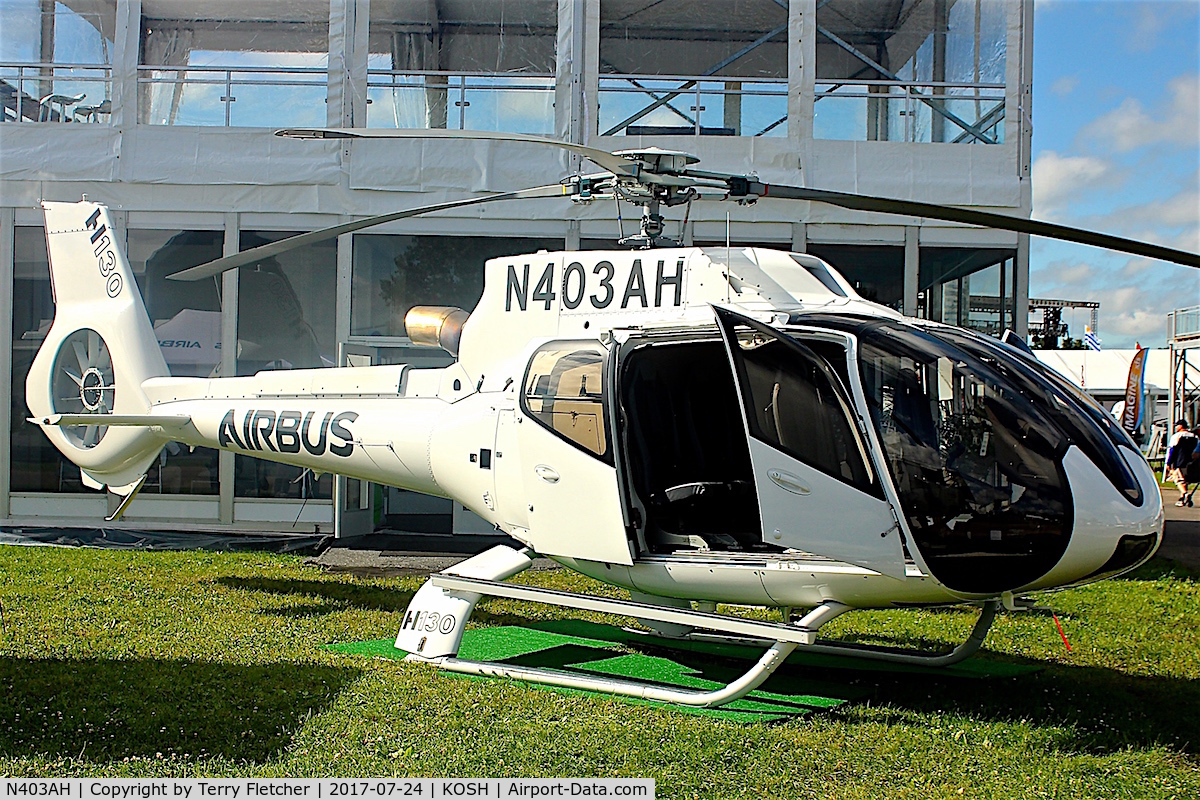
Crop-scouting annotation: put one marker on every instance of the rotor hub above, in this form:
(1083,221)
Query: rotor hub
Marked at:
(92,389)
(659,161)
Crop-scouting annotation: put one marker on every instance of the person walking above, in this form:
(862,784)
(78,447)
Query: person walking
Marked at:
(1179,461)
(1191,472)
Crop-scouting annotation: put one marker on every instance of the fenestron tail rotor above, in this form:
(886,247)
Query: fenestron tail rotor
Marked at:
(652,178)
(83,382)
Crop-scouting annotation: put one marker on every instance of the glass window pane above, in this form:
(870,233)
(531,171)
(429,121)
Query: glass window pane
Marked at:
(875,271)
(481,66)
(394,273)
(961,286)
(36,465)
(564,391)
(743,42)
(77,39)
(934,73)
(79,32)
(974,460)
(233,66)
(187,322)
(285,321)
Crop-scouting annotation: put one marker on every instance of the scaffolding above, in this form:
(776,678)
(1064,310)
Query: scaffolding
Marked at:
(1052,329)
(1183,338)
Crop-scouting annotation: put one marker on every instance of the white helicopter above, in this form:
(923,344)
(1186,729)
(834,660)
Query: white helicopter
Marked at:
(697,425)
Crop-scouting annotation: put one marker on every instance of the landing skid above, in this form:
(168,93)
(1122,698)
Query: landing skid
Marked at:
(437,615)
(892,655)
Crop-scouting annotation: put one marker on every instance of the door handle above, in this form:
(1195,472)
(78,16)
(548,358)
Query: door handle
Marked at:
(546,473)
(788,482)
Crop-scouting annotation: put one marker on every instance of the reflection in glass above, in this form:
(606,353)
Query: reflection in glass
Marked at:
(934,73)
(36,465)
(975,462)
(394,273)
(285,321)
(564,391)
(77,40)
(187,322)
(286,306)
(227,67)
(742,45)
(480,66)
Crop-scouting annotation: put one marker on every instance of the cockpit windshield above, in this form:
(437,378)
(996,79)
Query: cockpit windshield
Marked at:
(976,463)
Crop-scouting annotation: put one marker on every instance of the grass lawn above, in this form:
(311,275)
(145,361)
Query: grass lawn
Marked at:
(199,664)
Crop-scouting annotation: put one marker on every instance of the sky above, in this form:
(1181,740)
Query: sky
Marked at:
(1116,148)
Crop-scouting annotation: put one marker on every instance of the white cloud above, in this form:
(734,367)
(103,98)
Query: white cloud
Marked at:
(1176,121)
(1173,221)
(1149,20)
(1065,85)
(1063,273)
(1134,298)
(1059,180)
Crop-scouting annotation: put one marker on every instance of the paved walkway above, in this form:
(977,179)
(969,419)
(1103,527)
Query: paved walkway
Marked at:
(1181,533)
(392,555)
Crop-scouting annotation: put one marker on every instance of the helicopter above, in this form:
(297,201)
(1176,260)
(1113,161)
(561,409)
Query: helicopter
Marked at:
(696,425)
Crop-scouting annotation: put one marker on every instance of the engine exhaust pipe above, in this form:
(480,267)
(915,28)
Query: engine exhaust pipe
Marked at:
(435,326)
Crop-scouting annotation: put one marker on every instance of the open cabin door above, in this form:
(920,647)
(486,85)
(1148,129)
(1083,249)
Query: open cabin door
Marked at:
(567,454)
(818,490)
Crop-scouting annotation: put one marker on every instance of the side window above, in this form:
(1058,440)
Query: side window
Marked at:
(795,403)
(564,391)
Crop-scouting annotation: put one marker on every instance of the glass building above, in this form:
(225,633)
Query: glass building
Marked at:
(165,110)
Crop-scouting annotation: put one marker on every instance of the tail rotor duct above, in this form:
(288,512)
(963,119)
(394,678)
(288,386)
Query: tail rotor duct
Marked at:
(84,383)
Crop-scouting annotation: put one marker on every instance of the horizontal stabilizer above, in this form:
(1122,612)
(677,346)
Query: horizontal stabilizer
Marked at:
(116,420)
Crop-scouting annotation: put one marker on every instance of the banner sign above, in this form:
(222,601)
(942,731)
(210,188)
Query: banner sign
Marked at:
(1134,391)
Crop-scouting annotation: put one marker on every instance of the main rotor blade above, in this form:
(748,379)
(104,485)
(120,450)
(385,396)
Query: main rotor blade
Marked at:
(257,254)
(985,219)
(613,163)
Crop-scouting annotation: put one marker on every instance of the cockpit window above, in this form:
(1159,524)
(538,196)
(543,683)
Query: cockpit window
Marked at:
(564,391)
(976,464)
(1070,408)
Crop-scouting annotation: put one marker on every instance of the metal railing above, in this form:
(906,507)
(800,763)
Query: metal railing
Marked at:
(40,92)
(265,97)
(907,111)
(508,103)
(692,105)
(1183,323)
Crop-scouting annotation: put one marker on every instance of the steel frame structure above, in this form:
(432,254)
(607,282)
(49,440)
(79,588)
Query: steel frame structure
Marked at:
(1183,339)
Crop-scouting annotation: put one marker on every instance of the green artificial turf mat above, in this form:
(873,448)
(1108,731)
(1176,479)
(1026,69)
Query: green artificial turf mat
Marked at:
(531,647)
(973,667)
(375,648)
(579,646)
